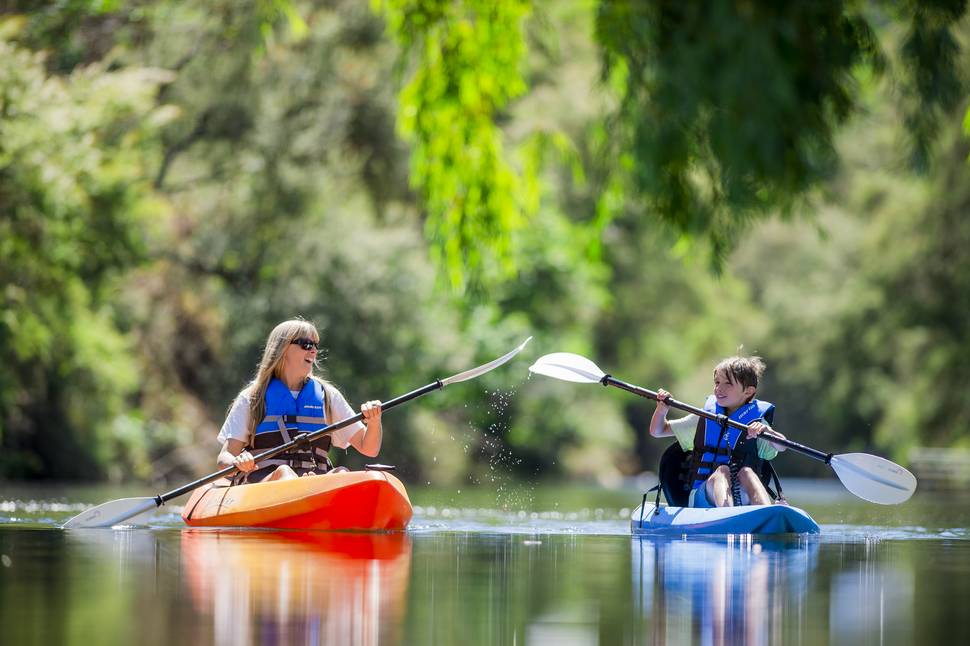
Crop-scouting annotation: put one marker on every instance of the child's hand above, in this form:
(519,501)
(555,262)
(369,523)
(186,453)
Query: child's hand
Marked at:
(757,428)
(662,397)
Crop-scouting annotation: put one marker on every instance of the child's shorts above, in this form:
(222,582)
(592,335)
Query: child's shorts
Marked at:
(698,498)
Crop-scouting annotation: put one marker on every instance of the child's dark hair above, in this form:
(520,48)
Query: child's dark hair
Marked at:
(743,370)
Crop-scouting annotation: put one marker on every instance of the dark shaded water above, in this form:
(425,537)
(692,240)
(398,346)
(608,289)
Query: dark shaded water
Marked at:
(538,566)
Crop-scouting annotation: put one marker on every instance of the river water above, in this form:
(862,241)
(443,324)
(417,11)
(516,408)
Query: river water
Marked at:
(529,565)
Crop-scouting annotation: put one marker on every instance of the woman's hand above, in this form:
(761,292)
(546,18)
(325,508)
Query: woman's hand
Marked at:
(662,405)
(371,411)
(244,462)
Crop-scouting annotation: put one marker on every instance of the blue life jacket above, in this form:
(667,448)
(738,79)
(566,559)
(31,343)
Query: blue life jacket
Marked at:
(305,413)
(286,417)
(727,445)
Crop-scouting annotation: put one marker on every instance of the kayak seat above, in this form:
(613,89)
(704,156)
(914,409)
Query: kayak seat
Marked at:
(673,472)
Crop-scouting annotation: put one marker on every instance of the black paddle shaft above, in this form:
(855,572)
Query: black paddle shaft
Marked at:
(300,440)
(723,420)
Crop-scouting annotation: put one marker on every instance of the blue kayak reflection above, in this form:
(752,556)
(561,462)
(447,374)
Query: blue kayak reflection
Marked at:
(298,587)
(738,590)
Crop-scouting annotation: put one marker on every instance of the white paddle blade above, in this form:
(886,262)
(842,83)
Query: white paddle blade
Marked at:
(111,513)
(481,370)
(568,367)
(873,478)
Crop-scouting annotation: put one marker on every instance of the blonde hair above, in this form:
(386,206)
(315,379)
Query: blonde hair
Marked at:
(271,366)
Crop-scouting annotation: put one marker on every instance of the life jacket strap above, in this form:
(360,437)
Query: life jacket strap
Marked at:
(271,439)
(267,466)
(296,464)
(735,468)
(295,419)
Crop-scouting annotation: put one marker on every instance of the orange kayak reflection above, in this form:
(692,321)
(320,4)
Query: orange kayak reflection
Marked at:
(277,587)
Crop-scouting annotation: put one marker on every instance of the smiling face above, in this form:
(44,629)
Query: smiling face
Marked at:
(298,361)
(299,357)
(729,393)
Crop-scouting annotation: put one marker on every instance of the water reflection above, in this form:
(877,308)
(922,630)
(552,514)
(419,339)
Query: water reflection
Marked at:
(871,602)
(298,587)
(736,591)
(174,586)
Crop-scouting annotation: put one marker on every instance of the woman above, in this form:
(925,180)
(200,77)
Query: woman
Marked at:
(285,399)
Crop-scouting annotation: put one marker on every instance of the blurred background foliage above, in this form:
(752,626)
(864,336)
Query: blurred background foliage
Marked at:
(651,184)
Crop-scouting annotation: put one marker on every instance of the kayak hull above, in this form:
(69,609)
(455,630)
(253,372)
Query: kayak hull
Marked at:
(350,500)
(748,519)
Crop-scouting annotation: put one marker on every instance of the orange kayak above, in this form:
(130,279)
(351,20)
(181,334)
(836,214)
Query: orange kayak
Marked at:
(361,500)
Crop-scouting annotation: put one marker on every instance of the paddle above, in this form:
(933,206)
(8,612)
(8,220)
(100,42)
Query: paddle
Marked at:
(116,511)
(867,476)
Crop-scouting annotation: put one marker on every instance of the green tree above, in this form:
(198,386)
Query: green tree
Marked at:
(727,111)
(469,59)
(730,110)
(73,153)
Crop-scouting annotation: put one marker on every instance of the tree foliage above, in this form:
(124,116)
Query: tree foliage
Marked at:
(469,59)
(73,151)
(730,110)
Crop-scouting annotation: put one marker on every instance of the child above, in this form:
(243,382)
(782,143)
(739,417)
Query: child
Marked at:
(721,458)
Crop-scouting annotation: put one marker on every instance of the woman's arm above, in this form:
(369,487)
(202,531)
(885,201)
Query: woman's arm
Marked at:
(233,436)
(369,440)
(234,455)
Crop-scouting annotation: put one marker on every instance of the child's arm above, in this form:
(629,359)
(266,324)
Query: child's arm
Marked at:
(767,437)
(683,429)
(659,427)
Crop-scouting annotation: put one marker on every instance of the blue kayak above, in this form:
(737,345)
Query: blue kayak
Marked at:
(747,519)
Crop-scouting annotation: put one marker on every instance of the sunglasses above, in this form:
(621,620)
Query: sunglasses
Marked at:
(306,344)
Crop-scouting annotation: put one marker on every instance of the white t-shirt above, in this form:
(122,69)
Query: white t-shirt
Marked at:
(236,425)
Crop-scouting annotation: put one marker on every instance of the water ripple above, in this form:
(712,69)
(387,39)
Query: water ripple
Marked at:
(445,518)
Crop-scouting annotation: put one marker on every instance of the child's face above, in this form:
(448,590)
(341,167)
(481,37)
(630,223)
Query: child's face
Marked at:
(729,393)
